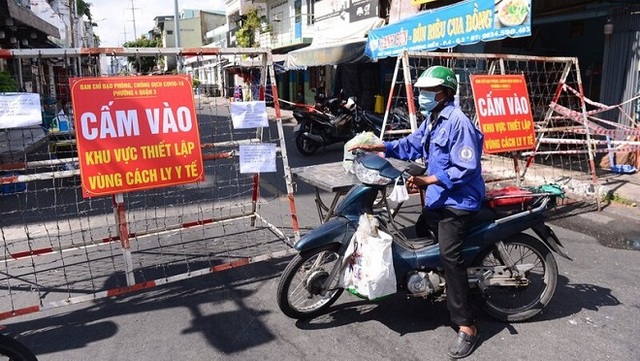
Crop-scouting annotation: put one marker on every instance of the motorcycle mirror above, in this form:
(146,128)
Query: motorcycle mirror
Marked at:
(350,103)
(415,169)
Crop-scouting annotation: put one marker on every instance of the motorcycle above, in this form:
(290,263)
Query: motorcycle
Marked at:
(512,274)
(342,122)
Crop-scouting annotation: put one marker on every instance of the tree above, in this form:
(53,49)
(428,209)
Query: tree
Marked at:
(142,64)
(251,22)
(84,8)
(7,83)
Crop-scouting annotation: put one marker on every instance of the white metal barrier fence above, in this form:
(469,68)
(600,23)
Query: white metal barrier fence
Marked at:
(59,248)
(570,129)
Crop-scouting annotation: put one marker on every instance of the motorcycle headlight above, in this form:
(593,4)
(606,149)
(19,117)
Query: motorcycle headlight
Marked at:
(369,176)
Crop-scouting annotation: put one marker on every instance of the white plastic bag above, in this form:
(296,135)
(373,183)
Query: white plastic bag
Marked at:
(399,193)
(370,273)
(362,138)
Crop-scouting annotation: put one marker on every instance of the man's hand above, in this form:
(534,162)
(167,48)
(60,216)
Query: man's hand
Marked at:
(421,181)
(368,147)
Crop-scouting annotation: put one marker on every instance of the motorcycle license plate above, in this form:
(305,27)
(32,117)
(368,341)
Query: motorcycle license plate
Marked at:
(297,127)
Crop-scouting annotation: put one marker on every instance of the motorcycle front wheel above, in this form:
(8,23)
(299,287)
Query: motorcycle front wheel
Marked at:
(14,350)
(299,291)
(520,303)
(304,145)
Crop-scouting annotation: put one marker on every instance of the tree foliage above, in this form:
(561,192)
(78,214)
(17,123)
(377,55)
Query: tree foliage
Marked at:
(7,83)
(84,8)
(143,64)
(245,36)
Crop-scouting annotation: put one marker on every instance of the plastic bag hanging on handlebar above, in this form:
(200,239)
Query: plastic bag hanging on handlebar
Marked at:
(399,193)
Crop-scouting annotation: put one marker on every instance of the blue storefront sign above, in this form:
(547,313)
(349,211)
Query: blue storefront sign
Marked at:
(463,23)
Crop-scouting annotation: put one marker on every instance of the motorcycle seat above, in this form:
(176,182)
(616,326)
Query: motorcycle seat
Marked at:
(485,214)
(373,118)
(419,242)
(427,224)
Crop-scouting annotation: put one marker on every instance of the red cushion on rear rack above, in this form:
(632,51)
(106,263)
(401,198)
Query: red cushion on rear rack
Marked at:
(508,196)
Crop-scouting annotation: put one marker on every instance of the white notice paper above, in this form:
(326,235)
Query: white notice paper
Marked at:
(19,110)
(258,158)
(249,114)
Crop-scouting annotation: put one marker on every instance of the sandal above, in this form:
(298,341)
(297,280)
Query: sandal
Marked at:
(463,345)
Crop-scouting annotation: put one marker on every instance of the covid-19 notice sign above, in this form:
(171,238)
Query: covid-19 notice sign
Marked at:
(504,112)
(135,133)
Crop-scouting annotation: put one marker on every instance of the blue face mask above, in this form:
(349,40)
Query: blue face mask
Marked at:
(427,100)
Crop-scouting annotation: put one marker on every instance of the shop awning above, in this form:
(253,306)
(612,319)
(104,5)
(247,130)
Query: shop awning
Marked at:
(329,54)
(28,18)
(463,23)
(339,45)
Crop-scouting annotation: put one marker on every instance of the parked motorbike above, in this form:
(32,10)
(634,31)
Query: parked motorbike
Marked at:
(318,128)
(334,123)
(512,274)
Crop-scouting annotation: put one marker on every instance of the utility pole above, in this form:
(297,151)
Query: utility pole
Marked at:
(72,38)
(133,13)
(176,22)
(176,32)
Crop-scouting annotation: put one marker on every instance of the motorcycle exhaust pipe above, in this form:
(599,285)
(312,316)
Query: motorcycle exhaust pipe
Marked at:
(313,137)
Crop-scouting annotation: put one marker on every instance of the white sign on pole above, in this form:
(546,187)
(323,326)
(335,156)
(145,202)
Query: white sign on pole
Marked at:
(249,114)
(258,158)
(19,110)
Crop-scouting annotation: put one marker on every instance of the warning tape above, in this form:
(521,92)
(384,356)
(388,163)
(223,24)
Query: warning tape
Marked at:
(620,143)
(580,151)
(598,131)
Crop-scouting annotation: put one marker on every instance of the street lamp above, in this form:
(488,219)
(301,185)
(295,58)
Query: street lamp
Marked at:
(93,23)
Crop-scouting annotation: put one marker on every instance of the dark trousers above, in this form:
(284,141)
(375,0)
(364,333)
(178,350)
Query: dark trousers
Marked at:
(452,226)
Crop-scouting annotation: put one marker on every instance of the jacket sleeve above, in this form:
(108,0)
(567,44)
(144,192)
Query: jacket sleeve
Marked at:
(410,147)
(464,155)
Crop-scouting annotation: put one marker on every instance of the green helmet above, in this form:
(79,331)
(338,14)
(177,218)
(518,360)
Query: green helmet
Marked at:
(438,75)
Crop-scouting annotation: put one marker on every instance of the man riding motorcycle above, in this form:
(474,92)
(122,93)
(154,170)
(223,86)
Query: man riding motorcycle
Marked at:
(451,145)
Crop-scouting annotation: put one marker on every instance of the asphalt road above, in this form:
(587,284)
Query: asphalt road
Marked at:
(232,315)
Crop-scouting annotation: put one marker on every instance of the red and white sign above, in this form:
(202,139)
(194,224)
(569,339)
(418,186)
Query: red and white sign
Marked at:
(135,133)
(504,112)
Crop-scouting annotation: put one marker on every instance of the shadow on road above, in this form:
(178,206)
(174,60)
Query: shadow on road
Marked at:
(229,328)
(406,316)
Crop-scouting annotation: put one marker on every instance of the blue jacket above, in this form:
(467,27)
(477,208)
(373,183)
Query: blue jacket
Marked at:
(453,156)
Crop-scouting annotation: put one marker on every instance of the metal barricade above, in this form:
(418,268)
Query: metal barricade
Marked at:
(59,248)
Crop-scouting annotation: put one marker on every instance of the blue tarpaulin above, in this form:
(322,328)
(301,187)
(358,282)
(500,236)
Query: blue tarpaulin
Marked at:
(463,23)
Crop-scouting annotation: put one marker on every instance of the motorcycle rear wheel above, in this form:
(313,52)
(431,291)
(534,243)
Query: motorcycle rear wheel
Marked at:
(515,304)
(299,288)
(304,145)
(14,350)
